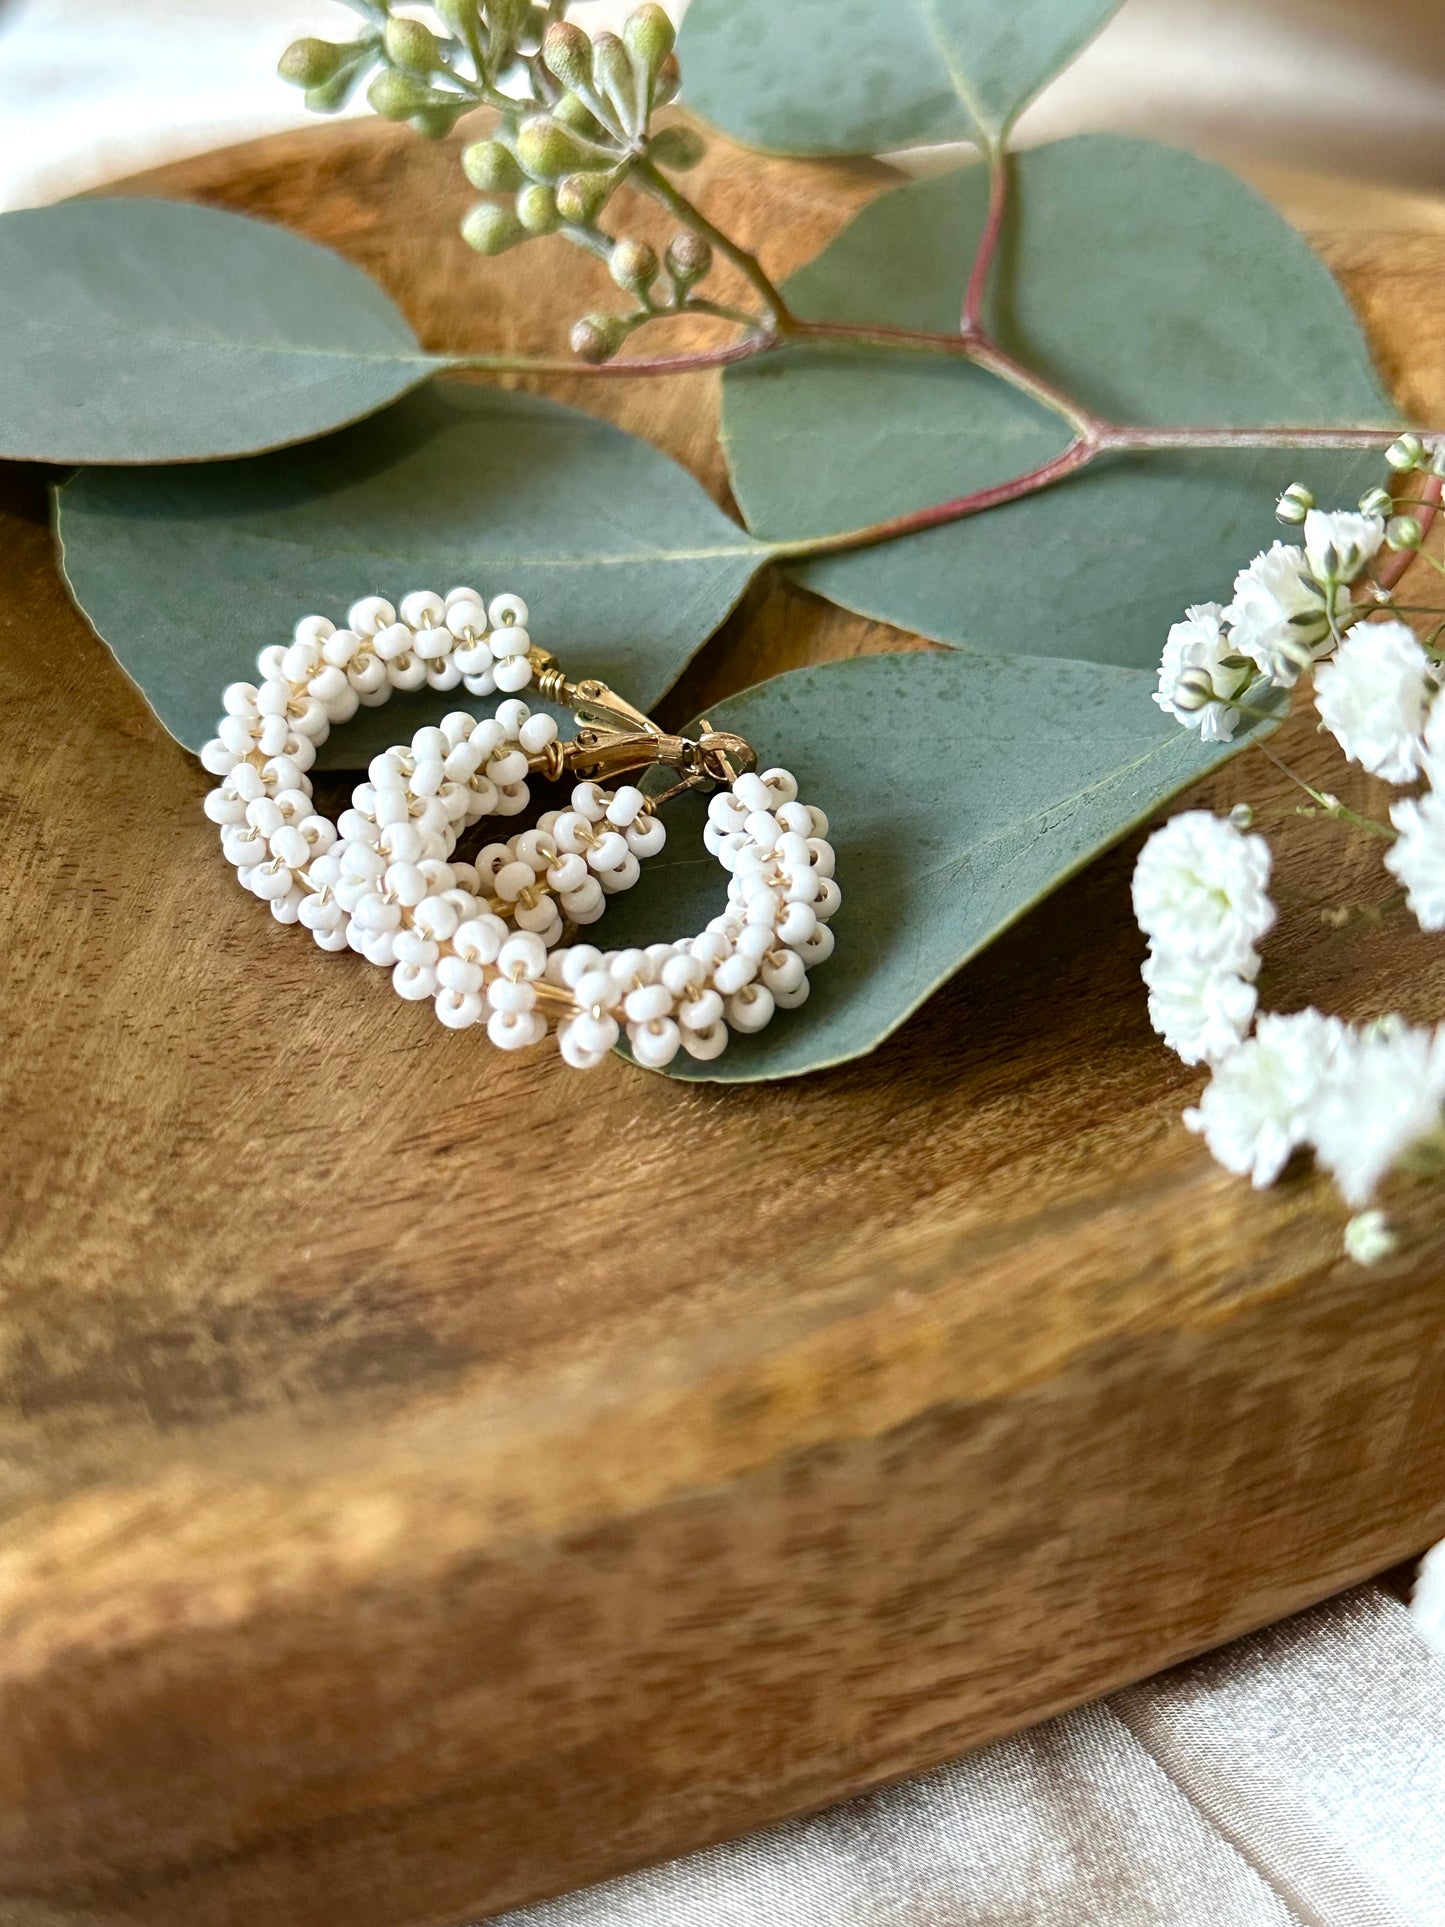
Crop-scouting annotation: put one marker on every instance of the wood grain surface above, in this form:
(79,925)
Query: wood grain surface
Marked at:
(432,1480)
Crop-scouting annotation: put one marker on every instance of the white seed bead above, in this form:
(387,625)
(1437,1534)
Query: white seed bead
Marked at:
(505,609)
(654,1044)
(704,1045)
(751,1008)
(458,1009)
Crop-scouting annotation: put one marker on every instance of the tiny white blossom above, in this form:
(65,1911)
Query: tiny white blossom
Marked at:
(1373,696)
(1339,544)
(1194,664)
(1199,1010)
(1384,1096)
(1368,1237)
(1201,891)
(1417,856)
(1279,617)
(1258,1106)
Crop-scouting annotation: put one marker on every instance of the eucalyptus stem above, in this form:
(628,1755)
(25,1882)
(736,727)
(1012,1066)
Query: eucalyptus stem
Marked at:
(970,321)
(662,189)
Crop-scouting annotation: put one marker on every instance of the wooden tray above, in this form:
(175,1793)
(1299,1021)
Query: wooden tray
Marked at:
(432,1482)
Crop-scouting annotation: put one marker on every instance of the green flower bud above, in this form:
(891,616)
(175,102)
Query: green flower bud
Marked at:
(567,55)
(1369,1237)
(597,337)
(435,123)
(492,168)
(547,150)
(688,258)
(412,44)
(1405,453)
(649,37)
(1437,459)
(491,229)
(537,209)
(613,72)
(1194,690)
(398,96)
(311,63)
(1242,816)
(1295,504)
(633,265)
(582,197)
(677,147)
(1404,532)
(461,17)
(1376,501)
(510,19)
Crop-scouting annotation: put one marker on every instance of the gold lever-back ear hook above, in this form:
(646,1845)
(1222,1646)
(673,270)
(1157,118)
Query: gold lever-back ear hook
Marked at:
(615,739)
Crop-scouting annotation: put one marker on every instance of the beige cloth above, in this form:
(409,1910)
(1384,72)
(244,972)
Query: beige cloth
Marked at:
(1295,1779)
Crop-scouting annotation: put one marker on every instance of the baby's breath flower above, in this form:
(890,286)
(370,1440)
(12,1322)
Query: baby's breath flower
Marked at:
(1368,1237)
(1197,685)
(1201,892)
(1383,1097)
(1199,1010)
(1258,1105)
(1338,545)
(1417,856)
(1373,696)
(1279,617)
(1427,1603)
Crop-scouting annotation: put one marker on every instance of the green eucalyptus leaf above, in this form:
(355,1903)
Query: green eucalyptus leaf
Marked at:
(187,573)
(1156,289)
(960,790)
(851,77)
(154,331)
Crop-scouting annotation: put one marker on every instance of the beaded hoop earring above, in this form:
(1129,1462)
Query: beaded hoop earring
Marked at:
(490,939)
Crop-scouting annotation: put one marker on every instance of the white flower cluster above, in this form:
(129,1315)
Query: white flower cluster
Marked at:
(1289,607)
(1362,1098)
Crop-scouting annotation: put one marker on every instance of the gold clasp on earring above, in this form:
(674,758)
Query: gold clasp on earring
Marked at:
(615,739)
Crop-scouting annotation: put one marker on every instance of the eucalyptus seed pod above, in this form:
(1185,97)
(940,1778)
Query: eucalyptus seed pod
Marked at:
(491,229)
(311,63)
(677,147)
(567,55)
(633,265)
(612,72)
(669,80)
(1404,532)
(597,337)
(582,197)
(461,17)
(537,209)
(412,44)
(1376,501)
(509,18)
(334,93)
(1295,504)
(1404,453)
(547,150)
(435,123)
(574,112)
(492,168)
(649,37)
(688,258)
(398,96)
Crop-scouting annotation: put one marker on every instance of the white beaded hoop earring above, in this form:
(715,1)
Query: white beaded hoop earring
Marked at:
(490,939)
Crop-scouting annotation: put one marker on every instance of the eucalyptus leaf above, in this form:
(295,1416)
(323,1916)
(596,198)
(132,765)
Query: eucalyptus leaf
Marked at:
(960,790)
(851,77)
(1156,289)
(155,331)
(187,573)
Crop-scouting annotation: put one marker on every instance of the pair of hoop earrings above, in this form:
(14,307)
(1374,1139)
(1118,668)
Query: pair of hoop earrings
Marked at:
(492,940)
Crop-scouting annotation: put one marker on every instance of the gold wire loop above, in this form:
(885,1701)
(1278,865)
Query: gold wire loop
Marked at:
(616,739)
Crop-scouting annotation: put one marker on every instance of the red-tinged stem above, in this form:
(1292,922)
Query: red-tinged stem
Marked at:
(1395,565)
(1126,438)
(1073,457)
(970,321)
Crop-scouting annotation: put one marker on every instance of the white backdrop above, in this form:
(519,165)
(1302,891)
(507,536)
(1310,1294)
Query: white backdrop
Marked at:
(90,89)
